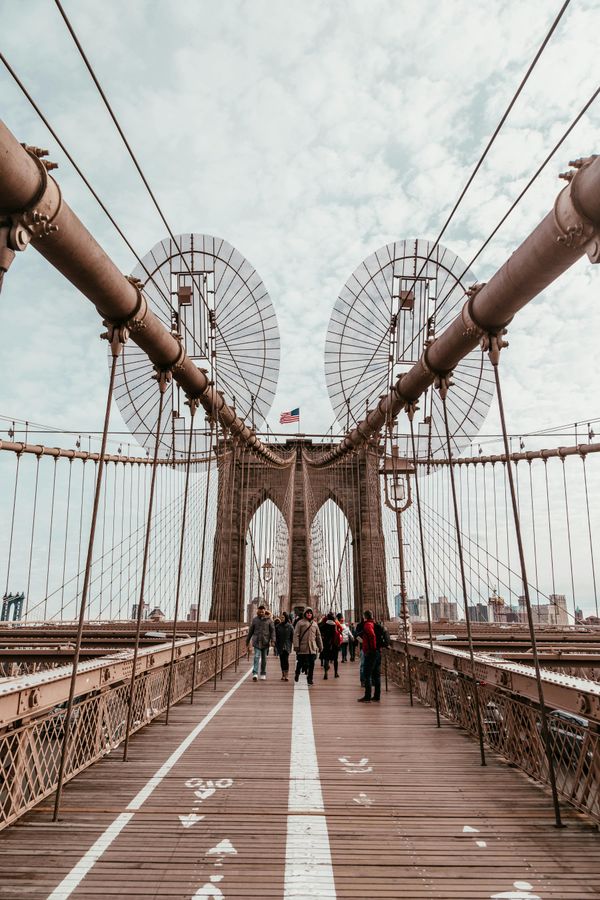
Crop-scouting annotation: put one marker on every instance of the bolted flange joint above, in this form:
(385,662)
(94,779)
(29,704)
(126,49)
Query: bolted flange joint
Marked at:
(574,227)
(443,382)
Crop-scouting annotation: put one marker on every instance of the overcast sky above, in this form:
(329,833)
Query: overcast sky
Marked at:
(307,134)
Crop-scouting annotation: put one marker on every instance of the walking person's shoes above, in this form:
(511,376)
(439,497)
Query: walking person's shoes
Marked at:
(296,676)
(337,675)
(263,677)
(325,677)
(364,699)
(375,699)
(255,678)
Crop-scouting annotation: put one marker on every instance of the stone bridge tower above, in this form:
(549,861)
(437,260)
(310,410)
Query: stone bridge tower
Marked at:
(298,491)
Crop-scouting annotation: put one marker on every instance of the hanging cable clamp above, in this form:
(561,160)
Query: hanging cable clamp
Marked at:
(493,343)
(163,377)
(443,383)
(116,335)
(575,229)
(36,219)
(136,321)
(193,403)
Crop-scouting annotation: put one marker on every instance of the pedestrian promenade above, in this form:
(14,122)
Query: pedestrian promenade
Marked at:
(272,790)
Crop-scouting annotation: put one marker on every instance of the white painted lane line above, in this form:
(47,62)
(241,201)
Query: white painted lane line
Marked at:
(89,859)
(308,865)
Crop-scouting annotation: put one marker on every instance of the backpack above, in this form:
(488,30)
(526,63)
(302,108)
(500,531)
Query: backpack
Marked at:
(382,636)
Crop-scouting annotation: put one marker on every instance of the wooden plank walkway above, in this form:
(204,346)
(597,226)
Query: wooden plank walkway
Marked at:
(398,808)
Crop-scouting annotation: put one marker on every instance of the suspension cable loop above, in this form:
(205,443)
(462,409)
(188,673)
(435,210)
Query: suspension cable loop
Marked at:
(410,411)
(494,355)
(116,352)
(443,384)
(141,599)
(193,404)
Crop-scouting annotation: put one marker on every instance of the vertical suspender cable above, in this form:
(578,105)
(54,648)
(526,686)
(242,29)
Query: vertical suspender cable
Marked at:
(141,601)
(495,345)
(32,536)
(116,349)
(202,556)
(443,388)
(193,404)
(587,507)
(50,536)
(410,413)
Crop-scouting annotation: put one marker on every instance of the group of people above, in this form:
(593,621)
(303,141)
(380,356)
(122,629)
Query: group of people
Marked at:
(327,639)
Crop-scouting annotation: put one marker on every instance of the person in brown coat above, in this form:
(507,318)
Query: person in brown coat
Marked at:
(307,643)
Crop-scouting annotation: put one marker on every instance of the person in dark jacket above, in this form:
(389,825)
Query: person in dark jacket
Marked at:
(284,635)
(331,644)
(372,657)
(262,634)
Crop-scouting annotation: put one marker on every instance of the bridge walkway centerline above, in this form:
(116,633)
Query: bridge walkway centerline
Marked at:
(407,809)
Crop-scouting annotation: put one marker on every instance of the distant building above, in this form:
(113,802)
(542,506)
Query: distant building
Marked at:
(578,614)
(444,610)
(552,613)
(416,608)
(478,612)
(134,611)
(497,609)
(193,613)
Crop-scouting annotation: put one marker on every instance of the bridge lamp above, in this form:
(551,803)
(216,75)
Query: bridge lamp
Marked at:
(396,474)
(267,568)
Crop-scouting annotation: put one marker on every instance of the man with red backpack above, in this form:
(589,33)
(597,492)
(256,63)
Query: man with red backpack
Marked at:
(374,639)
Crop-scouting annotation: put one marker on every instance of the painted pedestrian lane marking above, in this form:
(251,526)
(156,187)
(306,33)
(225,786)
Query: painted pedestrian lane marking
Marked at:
(363,800)
(522,891)
(203,790)
(361,767)
(211,888)
(188,821)
(221,850)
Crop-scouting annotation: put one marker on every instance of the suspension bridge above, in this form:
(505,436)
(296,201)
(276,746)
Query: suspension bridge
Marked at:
(137,756)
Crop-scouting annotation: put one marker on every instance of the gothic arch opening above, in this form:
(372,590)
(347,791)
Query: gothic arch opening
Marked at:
(332,560)
(267,570)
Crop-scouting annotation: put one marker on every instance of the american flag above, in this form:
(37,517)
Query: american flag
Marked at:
(287,418)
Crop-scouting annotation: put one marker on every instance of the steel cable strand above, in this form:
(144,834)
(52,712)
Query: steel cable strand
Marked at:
(411,412)
(568,523)
(141,598)
(32,535)
(495,345)
(84,593)
(443,385)
(589,524)
(193,407)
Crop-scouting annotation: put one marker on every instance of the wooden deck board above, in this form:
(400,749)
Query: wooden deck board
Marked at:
(404,838)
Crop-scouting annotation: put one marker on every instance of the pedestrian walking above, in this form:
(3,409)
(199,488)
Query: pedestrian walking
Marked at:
(332,640)
(352,642)
(284,636)
(307,643)
(372,660)
(261,633)
(346,636)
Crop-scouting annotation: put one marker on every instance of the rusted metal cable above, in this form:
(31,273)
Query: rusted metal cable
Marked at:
(193,404)
(589,524)
(32,535)
(411,411)
(84,593)
(141,595)
(495,344)
(443,385)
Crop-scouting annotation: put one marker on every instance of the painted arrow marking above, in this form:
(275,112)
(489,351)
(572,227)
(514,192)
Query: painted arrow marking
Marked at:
(188,821)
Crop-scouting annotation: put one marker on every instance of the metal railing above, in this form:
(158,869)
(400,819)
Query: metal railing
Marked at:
(511,720)
(32,712)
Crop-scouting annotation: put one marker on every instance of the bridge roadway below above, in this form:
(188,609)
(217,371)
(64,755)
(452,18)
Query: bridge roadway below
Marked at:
(271,790)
